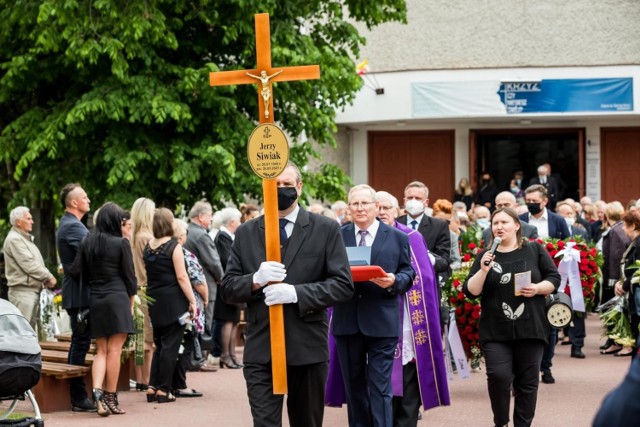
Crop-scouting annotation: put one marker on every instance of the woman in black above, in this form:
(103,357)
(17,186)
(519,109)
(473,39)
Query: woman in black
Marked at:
(107,268)
(169,288)
(513,326)
(631,226)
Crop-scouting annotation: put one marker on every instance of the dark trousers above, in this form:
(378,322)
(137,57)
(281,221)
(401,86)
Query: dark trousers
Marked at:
(549,351)
(216,345)
(517,363)
(577,332)
(406,408)
(305,398)
(179,381)
(78,350)
(167,340)
(366,364)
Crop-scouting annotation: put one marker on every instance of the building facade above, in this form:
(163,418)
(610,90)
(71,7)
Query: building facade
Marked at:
(500,86)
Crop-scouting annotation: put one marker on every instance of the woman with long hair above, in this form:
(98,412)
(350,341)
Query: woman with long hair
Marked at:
(464,193)
(513,326)
(142,221)
(105,264)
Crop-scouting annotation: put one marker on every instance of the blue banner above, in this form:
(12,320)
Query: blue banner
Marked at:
(567,95)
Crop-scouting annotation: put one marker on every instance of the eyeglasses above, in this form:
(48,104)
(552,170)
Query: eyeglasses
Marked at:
(503,205)
(385,208)
(359,205)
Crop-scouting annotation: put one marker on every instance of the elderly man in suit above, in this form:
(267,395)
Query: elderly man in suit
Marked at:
(366,328)
(506,199)
(548,225)
(203,247)
(550,184)
(316,268)
(435,231)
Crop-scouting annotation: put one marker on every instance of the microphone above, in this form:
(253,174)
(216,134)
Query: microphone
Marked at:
(496,242)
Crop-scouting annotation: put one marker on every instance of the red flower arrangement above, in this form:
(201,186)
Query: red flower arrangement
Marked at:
(591,260)
(470,243)
(467,314)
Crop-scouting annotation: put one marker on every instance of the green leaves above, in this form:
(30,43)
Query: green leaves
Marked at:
(115,94)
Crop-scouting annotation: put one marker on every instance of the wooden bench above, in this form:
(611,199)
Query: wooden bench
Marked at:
(52,391)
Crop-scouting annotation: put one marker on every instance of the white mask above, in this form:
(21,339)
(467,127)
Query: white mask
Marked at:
(414,207)
(483,223)
(570,221)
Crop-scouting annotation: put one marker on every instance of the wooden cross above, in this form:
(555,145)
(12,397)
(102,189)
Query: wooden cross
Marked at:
(266,75)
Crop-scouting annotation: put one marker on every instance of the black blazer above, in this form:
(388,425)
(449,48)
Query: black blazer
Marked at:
(436,233)
(223,244)
(317,265)
(374,311)
(558,228)
(553,190)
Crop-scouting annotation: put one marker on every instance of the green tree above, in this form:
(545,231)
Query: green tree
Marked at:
(114,94)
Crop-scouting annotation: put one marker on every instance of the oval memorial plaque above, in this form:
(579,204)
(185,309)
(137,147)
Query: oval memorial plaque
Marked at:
(268,150)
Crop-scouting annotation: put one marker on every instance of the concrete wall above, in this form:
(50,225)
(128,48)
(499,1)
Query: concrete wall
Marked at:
(506,33)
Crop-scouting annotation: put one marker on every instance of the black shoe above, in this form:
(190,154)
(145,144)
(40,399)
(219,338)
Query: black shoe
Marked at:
(577,353)
(607,344)
(83,406)
(547,378)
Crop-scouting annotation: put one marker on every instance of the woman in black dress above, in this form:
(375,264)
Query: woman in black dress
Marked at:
(513,327)
(106,264)
(169,288)
(227,314)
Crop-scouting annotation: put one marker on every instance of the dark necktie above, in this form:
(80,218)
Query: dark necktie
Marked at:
(283,232)
(363,234)
(414,224)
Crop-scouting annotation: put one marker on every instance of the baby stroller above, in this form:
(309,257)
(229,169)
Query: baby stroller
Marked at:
(20,365)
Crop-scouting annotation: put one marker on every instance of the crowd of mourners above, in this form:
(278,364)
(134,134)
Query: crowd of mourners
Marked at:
(181,287)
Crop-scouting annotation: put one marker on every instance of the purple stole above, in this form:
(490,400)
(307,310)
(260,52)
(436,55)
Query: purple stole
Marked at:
(424,313)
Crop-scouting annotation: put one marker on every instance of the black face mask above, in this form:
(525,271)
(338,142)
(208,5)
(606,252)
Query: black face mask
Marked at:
(286,197)
(534,208)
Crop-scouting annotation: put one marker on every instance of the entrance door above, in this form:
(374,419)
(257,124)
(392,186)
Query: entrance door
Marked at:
(502,152)
(397,158)
(620,164)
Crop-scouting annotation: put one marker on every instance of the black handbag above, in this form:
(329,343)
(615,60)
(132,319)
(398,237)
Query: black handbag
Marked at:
(82,319)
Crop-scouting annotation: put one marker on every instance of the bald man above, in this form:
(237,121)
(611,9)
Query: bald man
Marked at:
(506,199)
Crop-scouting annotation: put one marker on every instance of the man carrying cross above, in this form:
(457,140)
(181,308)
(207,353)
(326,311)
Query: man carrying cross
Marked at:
(315,271)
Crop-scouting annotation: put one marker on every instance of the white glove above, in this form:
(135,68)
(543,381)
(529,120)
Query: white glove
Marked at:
(269,271)
(280,293)
(432,259)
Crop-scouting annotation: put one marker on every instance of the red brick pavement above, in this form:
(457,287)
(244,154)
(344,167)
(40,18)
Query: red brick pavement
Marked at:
(572,401)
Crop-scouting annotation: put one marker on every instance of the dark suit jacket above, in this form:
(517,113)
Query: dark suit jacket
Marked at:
(201,245)
(71,232)
(436,233)
(579,232)
(317,265)
(223,244)
(558,228)
(374,311)
(528,231)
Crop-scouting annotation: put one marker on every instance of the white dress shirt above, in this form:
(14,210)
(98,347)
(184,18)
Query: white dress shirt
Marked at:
(542,224)
(371,233)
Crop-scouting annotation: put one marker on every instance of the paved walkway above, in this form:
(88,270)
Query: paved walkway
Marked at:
(572,401)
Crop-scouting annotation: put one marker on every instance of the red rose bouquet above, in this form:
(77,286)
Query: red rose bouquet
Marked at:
(591,259)
(467,314)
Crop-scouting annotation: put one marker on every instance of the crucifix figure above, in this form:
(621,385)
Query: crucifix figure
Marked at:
(265,92)
(269,187)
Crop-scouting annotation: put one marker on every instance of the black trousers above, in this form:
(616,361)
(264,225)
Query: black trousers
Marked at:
(406,408)
(305,398)
(516,362)
(577,332)
(167,340)
(78,350)
(549,350)
(179,381)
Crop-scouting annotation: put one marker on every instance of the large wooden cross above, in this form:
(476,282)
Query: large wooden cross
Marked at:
(266,75)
